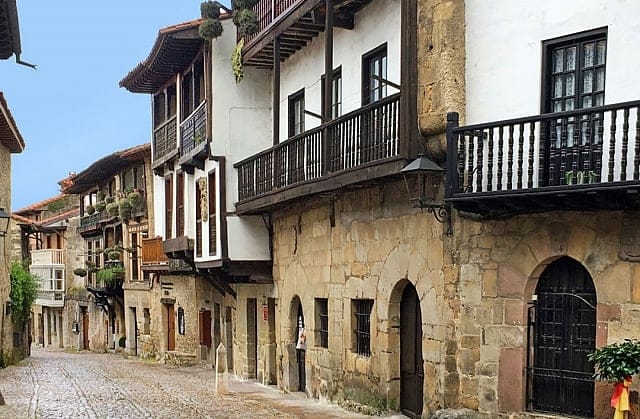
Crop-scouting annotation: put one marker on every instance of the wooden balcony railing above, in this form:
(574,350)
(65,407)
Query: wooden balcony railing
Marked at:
(89,220)
(596,145)
(358,138)
(50,298)
(152,252)
(193,130)
(165,139)
(47,257)
(268,12)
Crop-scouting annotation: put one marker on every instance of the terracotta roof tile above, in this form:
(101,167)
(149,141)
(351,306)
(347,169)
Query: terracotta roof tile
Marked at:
(38,206)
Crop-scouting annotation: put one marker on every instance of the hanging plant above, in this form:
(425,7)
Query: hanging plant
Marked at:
(246,20)
(243,4)
(112,209)
(236,61)
(209,10)
(81,272)
(100,206)
(125,208)
(114,255)
(109,200)
(136,199)
(90,209)
(210,29)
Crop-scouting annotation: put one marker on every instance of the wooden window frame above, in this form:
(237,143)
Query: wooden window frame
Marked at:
(336,93)
(374,55)
(168,206)
(180,216)
(213,216)
(297,97)
(546,73)
(322,322)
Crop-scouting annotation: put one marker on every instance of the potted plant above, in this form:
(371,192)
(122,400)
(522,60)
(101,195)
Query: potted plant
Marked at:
(618,362)
(125,208)
(90,209)
(81,272)
(100,206)
(112,209)
(109,200)
(114,254)
(136,198)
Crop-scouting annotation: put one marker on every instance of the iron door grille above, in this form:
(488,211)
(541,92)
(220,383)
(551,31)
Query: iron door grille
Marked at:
(562,327)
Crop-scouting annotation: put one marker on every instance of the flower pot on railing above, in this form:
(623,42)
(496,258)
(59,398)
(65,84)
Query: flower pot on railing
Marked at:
(100,206)
(125,208)
(136,198)
(81,272)
(90,209)
(112,209)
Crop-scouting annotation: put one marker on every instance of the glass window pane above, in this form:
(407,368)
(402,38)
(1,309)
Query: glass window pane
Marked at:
(588,54)
(599,79)
(569,104)
(601,49)
(587,85)
(569,81)
(599,99)
(558,60)
(557,106)
(557,88)
(586,101)
(571,58)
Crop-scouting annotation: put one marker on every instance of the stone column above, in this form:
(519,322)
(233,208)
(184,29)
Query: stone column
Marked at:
(60,332)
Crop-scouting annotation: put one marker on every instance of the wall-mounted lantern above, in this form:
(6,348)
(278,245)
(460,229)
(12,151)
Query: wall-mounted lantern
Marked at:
(4,222)
(422,177)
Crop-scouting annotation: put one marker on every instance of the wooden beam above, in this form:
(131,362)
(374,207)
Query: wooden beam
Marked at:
(276,90)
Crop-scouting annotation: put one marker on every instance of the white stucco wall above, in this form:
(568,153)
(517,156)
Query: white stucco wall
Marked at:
(504,51)
(376,24)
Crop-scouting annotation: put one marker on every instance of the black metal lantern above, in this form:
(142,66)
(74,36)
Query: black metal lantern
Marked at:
(4,222)
(422,177)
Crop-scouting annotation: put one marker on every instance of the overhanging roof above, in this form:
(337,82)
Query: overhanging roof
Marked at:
(175,48)
(9,29)
(10,137)
(106,167)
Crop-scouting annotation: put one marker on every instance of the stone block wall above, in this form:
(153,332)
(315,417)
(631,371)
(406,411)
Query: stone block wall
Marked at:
(500,262)
(366,244)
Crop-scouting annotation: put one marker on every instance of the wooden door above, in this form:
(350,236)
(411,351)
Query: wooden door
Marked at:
(252,338)
(171,328)
(411,363)
(85,329)
(300,353)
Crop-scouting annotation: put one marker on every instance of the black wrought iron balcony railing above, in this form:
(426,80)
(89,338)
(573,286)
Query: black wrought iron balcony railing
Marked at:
(586,149)
(193,130)
(359,138)
(165,139)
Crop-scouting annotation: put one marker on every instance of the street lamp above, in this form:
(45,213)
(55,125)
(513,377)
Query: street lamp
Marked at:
(4,222)
(427,175)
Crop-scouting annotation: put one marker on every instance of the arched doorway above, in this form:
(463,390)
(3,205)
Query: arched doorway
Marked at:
(562,332)
(411,362)
(297,375)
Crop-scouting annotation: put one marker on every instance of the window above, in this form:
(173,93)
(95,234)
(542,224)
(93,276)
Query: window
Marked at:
(205,327)
(134,259)
(164,106)
(374,69)
(322,322)
(187,95)
(336,93)
(575,71)
(179,204)
(94,260)
(193,88)
(181,321)
(361,318)
(199,187)
(213,239)
(574,78)
(296,113)
(168,206)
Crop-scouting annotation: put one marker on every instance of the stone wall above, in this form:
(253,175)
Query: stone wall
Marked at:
(6,328)
(366,244)
(500,262)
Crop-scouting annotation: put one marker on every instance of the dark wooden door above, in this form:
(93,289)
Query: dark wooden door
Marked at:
(252,338)
(85,329)
(300,353)
(564,330)
(171,328)
(411,363)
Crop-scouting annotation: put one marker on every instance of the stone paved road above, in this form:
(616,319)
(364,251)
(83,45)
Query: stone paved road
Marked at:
(59,384)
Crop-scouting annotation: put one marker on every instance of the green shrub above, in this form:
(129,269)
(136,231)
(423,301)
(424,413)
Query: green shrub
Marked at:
(122,341)
(209,10)
(24,288)
(246,20)
(616,361)
(210,29)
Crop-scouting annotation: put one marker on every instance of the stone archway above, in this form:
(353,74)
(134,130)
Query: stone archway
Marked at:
(296,354)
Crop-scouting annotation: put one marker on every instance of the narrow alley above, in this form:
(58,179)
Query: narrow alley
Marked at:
(63,384)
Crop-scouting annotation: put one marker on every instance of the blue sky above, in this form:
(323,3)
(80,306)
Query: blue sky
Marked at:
(71,110)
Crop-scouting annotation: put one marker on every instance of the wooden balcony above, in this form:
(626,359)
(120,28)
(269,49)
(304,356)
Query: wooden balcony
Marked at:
(50,292)
(357,147)
(193,139)
(47,257)
(586,160)
(296,22)
(153,253)
(89,223)
(165,142)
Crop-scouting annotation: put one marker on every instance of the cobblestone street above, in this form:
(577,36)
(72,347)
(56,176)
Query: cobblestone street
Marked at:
(59,384)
